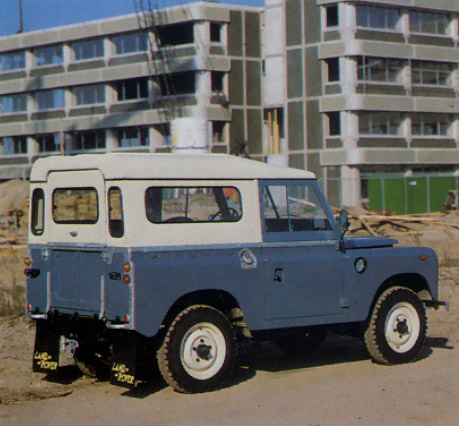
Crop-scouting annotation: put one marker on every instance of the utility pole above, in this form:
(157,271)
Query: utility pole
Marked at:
(21,26)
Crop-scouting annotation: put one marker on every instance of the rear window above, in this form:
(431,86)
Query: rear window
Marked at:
(193,204)
(115,212)
(75,205)
(38,212)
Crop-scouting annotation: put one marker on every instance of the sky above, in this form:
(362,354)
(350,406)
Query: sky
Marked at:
(40,14)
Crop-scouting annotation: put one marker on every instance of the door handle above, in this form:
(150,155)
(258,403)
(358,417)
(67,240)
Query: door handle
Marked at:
(278,275)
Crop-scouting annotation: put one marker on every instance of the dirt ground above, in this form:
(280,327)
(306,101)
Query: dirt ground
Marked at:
(338,384)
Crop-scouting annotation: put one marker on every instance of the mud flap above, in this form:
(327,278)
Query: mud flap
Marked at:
(123,371)
(46,352)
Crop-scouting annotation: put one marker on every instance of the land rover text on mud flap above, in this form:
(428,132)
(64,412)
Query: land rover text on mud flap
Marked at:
(140,260)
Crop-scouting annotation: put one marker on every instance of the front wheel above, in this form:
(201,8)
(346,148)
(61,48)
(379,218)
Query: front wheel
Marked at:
(198,352)
(397,327)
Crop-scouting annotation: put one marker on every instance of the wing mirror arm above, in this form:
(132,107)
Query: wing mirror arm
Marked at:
(344,226)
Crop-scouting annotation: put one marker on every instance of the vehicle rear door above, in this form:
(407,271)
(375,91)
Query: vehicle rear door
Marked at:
(77,241)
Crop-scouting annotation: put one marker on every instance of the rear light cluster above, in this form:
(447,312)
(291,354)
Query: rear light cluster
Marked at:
(127,268)
(27,270)
(126,277)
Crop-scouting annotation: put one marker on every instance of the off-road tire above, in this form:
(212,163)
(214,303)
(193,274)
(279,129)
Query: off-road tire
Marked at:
(397,328)
(198,351)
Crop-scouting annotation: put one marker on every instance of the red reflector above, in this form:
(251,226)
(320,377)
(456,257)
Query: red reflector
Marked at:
(423,257)
(126,318)
(126,279)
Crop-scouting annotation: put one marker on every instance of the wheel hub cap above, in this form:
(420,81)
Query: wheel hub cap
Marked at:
(402,327)
(203,351)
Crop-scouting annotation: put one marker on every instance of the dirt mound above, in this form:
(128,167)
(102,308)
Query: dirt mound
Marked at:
(14,195)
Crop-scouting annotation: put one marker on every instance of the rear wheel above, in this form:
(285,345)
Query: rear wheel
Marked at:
(397,328)
(198,352)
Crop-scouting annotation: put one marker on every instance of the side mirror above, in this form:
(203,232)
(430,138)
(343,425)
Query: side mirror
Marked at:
(344,221)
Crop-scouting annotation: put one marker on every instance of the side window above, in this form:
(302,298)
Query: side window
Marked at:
(38,212)
(197,204)
(115,212)
(75,206)
(293,208)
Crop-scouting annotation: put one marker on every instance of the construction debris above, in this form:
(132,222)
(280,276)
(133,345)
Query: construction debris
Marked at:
(378,225)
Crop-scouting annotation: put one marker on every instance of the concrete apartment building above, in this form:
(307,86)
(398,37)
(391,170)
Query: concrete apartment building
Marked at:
(363,93)
(118,84)
(371,97)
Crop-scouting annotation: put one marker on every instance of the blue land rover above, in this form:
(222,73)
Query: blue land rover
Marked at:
(167,259)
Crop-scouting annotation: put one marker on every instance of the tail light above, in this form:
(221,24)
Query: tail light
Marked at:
(127,268)
(28,261)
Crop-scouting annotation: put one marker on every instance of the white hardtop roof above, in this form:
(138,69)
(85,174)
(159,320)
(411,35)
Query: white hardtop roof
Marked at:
(117,166)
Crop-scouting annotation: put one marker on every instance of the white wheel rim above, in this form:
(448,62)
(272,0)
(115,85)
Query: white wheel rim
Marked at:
(203,351)
(402,327)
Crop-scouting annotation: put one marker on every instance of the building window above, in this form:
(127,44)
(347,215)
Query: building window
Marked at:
(431,73)
(178,83)
(379,123)
(218,131)
(430,124)
(50,99)
(130,43)
(131,137)
(49,143)
(428,22)
(48,55)
(385,70)
(334,123)
(13,103)
(135,88)
(333,70)
(14,145)
(85,141)
(381,18)
(174,35)
(215,32)
(12,61)
(89,95)
(217,81)
(332,18)
(274,121)
(88,49)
